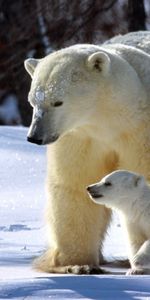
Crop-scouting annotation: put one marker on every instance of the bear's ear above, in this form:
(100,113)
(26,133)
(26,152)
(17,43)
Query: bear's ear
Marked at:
(30,65)
(99,61)
(138,180)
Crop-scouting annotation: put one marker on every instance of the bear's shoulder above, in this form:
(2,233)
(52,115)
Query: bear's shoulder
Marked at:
(134,48)
(139,40)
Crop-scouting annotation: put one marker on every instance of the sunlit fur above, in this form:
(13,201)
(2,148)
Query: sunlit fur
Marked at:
(102,125)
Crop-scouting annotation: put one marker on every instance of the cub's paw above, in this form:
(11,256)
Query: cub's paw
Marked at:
(136,271)
(85,269)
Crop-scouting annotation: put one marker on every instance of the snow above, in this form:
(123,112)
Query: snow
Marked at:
(23,237)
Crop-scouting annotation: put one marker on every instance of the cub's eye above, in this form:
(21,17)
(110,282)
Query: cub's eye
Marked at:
(107,183)
(57,103)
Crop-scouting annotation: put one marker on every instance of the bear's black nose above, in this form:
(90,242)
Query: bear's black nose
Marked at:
(34,141)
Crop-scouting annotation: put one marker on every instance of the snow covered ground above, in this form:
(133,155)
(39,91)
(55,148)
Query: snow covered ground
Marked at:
(23,237)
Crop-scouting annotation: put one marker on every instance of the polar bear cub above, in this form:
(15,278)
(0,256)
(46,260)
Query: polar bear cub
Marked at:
(129,194)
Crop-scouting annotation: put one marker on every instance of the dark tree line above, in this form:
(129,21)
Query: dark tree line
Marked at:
(136,15)
(34,28)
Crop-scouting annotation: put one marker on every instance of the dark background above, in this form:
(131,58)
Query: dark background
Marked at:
(34,28)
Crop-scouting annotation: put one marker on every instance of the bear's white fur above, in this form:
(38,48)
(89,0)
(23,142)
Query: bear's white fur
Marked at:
(128,193)
(93,102)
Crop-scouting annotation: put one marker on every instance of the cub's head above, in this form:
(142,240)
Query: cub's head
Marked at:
(64,90)
(118,189)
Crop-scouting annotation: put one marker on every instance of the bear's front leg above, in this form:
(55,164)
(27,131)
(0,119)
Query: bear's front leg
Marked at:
(76,225)
(76,231)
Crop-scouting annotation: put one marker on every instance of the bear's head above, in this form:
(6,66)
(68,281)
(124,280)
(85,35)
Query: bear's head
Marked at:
(118,189)
(65,89)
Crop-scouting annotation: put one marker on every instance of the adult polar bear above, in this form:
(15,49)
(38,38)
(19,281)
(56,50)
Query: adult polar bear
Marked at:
(93,101)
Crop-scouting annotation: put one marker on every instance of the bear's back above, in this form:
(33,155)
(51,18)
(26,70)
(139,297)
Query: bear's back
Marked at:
(139,40)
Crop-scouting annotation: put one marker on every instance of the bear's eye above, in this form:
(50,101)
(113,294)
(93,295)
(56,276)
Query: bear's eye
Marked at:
(108,183)
(57,103)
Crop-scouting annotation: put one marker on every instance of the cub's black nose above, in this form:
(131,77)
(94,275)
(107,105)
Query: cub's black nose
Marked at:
(34,141)
(93,192)
(90,190)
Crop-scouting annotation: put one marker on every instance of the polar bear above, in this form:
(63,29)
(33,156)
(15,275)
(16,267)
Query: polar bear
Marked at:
(129,194)
(91,107)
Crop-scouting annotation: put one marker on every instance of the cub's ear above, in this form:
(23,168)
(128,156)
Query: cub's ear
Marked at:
(99,61)
(30,65)
(139,180)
